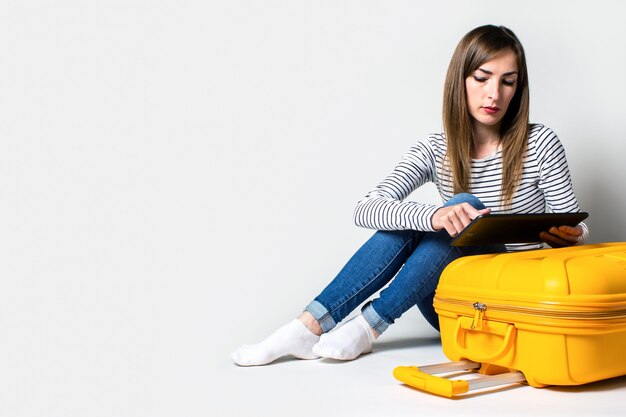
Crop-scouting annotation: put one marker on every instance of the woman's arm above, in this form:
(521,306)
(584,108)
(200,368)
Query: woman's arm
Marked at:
(384,207)
(555,182)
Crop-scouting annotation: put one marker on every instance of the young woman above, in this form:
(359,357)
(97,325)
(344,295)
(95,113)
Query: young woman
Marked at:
(490,159)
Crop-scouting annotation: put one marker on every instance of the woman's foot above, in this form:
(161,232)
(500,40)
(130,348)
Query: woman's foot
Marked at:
(347,342)
(293,339)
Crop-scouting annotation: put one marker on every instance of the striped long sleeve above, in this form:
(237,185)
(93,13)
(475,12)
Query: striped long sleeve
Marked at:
(384,207)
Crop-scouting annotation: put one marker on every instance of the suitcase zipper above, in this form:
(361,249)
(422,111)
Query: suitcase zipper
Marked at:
(480,308)
(477,321)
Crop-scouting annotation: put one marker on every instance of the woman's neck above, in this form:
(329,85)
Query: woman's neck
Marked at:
(486,141)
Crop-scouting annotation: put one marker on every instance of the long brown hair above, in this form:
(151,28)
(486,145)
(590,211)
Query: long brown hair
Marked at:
(477,47)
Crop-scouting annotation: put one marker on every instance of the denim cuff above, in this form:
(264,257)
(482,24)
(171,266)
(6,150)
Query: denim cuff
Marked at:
(373,319)
(322,315)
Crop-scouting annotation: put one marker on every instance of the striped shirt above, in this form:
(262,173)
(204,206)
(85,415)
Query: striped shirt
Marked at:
(545,185)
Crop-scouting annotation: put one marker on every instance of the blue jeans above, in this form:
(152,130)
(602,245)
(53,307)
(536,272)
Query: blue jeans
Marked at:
(413,259)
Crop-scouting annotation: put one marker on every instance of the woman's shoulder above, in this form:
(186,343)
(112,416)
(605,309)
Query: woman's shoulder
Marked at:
(436,140)
(543,141)
(431,146)
(432,141)
(541,135)
(540,131)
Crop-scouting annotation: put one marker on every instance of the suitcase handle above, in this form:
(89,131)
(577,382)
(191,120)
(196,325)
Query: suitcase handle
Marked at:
(508,331)
(422,378)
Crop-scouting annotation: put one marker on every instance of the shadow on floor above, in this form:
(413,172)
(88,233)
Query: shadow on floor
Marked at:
(604,385)
(409,343)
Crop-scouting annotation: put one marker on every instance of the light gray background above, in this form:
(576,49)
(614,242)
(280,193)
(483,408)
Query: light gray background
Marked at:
(178,178)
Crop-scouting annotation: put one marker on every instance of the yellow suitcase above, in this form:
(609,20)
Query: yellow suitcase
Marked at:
(550,317)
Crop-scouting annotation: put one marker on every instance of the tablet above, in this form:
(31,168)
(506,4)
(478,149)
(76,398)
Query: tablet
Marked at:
(493,229)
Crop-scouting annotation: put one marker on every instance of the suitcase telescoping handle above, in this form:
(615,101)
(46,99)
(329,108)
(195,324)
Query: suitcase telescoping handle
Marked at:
(466,324)
(424,378)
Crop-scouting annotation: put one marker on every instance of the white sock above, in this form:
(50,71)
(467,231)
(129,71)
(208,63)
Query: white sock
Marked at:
(294,339)
(346,342)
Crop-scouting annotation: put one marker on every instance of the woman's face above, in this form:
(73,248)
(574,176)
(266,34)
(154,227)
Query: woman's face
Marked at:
(490,89)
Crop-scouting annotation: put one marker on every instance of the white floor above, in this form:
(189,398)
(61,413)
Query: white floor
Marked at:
(366,387)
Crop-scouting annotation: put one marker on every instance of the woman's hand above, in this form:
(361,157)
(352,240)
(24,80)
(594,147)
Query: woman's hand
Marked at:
(561,236)
(455,218)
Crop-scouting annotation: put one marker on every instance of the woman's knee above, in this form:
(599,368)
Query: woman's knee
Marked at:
(394,234)
(393,238)
(466,198)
